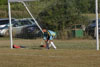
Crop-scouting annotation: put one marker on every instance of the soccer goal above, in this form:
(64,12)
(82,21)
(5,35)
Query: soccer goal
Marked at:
(23,2)
(21,23)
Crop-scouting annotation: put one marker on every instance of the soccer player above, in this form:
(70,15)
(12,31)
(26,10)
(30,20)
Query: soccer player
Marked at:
(48,36)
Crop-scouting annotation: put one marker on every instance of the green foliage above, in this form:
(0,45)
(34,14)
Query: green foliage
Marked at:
(83,5)
(3,2)
(61,15)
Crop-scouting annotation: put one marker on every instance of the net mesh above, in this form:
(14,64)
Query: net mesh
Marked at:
(24,29)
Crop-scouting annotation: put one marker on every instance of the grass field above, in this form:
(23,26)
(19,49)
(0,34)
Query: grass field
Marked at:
(91,16)
(69,53)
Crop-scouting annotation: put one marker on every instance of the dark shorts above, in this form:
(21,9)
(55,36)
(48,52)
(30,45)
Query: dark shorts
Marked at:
(48,38)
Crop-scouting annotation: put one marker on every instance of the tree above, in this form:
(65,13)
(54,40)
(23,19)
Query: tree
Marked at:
(3,2)
(61,15)
(83,5)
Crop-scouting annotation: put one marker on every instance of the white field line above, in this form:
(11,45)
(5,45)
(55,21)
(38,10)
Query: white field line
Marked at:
(50,56)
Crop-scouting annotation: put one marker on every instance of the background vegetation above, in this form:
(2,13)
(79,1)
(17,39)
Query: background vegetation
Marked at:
(57,15)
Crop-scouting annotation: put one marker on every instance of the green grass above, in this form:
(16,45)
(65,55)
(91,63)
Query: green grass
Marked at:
(91,16)
(69,53)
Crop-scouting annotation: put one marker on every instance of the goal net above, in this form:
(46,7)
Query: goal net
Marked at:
(24,28)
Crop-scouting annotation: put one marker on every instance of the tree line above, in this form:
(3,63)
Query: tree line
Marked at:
(85,6)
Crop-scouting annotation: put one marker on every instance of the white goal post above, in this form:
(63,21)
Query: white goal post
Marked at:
(97,32)
(9,9)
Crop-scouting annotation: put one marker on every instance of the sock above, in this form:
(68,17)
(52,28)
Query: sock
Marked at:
(47,46)
(53,45)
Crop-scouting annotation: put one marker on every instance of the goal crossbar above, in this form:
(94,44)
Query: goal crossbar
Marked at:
(19,0)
